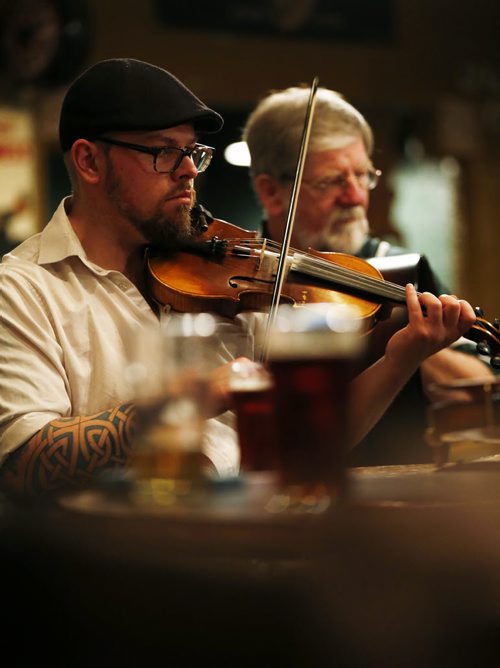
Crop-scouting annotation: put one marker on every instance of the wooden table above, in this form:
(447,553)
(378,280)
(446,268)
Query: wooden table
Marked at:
(403,572)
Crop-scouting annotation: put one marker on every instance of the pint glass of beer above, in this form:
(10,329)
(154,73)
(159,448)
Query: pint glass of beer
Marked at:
(313,352)
(252,390)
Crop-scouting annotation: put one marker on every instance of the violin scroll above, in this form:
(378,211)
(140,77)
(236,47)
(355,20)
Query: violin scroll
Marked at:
(487,337)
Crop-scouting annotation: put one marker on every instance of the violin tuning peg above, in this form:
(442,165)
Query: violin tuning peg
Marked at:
(496,323)
(495,362)
(478,311)
(483,348)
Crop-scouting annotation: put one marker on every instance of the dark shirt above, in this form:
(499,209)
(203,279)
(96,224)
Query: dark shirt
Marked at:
(398,437)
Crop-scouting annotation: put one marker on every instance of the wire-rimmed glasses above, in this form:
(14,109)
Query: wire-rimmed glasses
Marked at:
(364,178)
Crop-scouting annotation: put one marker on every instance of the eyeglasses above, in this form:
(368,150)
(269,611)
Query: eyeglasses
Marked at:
(367,179)
(166,159)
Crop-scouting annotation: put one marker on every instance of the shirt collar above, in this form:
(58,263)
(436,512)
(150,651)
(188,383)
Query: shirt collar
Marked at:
(58,239)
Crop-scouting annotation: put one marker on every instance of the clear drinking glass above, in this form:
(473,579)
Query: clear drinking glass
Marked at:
(464,420)
(170,371)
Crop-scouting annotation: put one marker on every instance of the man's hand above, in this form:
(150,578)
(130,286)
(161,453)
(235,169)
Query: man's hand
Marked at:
(220,385)
(433,324)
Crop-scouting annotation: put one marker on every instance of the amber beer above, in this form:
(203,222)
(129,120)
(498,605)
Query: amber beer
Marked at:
(252,391)
(312,361)
(168,443)
(169,372)
(311,409)
(169,452)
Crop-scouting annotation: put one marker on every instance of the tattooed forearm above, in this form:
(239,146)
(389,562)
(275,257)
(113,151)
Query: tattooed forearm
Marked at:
(68,452)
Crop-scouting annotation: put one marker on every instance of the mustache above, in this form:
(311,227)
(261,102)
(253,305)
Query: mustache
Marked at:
(355,213)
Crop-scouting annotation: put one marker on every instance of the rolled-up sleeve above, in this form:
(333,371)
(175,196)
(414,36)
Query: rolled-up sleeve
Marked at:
(33,389)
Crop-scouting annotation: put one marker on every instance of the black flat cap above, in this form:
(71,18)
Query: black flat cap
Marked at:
(128,94)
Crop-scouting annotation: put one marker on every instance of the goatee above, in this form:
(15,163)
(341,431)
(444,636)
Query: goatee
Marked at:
(169,232)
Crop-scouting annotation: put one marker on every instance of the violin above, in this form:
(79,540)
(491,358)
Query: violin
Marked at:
(227,269)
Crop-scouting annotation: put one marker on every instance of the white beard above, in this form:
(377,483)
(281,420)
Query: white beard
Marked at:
(340,236)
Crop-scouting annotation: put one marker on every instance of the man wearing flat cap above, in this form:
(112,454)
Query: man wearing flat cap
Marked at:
(73,295)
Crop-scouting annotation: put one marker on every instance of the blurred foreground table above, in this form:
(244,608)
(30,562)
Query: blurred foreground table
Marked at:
(404,572)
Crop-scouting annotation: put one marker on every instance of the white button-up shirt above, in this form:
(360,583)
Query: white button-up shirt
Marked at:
(65,331)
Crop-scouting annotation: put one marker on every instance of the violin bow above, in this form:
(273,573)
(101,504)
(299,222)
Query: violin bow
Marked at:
(280,272)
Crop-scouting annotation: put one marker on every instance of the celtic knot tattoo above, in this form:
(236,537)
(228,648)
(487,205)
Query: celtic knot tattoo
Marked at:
(69,452)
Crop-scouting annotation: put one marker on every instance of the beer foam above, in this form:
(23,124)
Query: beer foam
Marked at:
(317,330)
(247,376)
(315,345)
(250,384)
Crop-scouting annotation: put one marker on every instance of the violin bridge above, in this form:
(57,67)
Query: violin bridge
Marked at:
(267,264)
(261,255)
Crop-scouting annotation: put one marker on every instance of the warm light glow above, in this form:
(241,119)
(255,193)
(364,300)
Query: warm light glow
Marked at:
(237,154)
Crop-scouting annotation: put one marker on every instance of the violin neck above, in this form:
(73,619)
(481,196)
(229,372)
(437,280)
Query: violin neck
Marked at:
(482,332)
(336,274)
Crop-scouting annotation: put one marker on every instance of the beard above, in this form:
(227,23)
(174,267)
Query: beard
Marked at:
(346,231)
(158,228)
(162,231)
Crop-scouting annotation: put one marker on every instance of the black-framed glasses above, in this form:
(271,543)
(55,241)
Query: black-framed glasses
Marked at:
(166,159)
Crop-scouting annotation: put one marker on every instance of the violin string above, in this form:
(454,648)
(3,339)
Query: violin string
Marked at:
(329,271)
